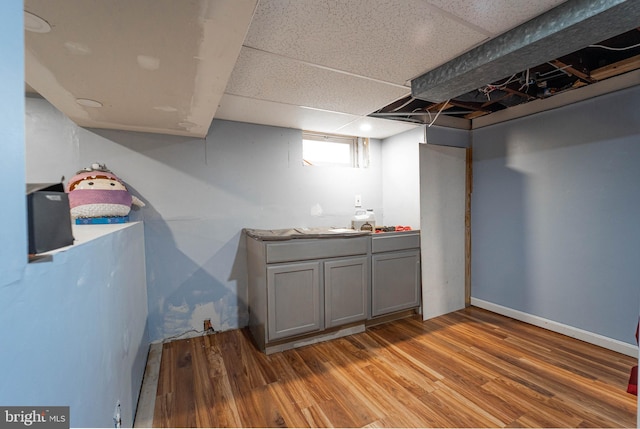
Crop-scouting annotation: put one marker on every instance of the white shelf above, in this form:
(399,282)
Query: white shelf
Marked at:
(83,234)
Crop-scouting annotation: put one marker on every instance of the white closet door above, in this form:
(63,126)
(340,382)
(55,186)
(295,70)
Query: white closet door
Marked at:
(442,207)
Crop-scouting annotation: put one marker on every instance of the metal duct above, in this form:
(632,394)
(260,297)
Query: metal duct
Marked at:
(566,28)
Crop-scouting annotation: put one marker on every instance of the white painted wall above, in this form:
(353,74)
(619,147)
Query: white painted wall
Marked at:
(200,193)
(74,330)
(401,170)
(52,146)
(13,223)
(442,203)
(401,179)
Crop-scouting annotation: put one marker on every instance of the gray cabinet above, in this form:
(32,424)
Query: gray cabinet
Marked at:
(295,295)
(304,290)
(299,287)
(395,273)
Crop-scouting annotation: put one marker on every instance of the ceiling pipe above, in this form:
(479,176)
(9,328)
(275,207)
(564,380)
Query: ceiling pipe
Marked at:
(569,27)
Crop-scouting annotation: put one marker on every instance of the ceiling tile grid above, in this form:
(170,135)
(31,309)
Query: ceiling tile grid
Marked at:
(389,40)
(170,66)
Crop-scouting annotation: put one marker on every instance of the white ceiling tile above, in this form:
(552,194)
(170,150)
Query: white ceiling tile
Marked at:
(496,16)
(270,77)
(390,40)
(242,109)
(235,108)
(376,128)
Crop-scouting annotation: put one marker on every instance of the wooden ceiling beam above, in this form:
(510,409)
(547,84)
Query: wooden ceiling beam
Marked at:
(436,107)
(494,100)
(615,69)
(519,93)
(476,114)
(572,70)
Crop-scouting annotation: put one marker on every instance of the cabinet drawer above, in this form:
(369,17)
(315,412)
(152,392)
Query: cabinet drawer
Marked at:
(390,243)
(300,250)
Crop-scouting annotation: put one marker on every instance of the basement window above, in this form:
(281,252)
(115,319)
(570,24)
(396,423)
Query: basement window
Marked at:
(329,150)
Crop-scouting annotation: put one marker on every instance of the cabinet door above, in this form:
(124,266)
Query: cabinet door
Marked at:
(345,290)
(293,299)
(395,283)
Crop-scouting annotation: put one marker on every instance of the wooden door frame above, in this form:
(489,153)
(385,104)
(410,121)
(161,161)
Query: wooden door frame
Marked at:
(467,227)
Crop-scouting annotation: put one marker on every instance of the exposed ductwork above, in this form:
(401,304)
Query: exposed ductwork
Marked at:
(564,29)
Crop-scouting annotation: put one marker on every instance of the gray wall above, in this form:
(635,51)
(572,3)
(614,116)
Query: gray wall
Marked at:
(199,196)
(555,212)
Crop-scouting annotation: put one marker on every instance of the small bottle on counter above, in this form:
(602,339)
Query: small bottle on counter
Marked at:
(371,218)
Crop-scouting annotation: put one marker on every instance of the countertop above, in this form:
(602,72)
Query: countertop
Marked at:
(293,233)
(296,233)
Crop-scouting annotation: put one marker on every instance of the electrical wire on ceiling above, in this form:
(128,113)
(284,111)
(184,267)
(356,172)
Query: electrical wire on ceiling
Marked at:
(543,80)
(488,89)
(410,100)
(439,111)
(434,119)
(426,110)
(556,69)
(615,49)
(525,85)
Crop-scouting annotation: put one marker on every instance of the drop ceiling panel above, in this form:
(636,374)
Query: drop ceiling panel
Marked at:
(392,41)
(163,65)
(495,16)
(243,109)
(379,128)
(265,76)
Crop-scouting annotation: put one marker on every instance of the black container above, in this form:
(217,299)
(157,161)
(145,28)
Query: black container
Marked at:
(48,217)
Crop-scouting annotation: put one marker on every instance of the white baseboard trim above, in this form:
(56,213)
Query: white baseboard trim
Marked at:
(580,334)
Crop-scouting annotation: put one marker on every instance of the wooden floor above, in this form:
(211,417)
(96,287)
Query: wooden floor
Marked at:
(471,368)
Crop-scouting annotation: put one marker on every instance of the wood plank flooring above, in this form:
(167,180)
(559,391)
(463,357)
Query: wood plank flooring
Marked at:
(471,368)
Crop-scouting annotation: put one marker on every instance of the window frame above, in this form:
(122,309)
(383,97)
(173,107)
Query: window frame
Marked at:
(351,141)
